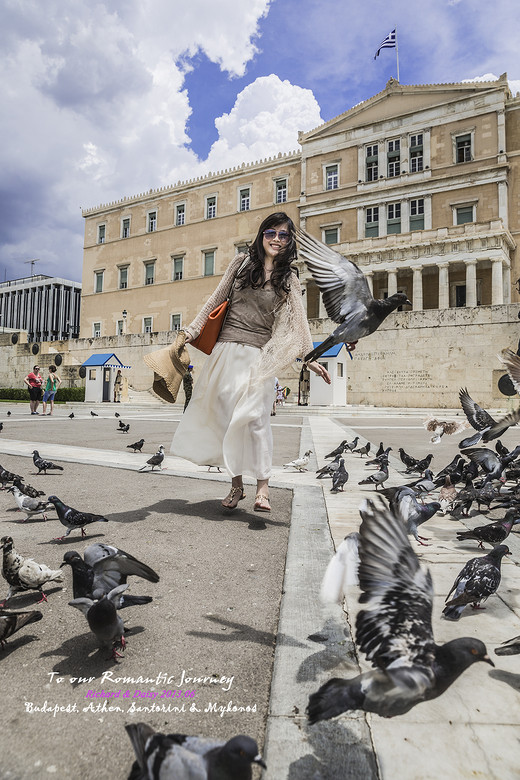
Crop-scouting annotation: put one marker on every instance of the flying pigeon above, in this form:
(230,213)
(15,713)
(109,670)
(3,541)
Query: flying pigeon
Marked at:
(340,449)
(479,579)
(492,533)
(377,478)
(30,506)
(440,427)
(190,758)
(103,619)
(93,414)
(43,465)
(73,518)
(24,573)
(404,504)
(27,490)
(487,428)
(395,632)
(137,446)
(300,464)
(346,295)
(510,647)
(11,622)
(155,460)
(339,477)
(342,571)
(512,364)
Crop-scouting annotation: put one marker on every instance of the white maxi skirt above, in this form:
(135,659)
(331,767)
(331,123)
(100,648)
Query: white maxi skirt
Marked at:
(227,422)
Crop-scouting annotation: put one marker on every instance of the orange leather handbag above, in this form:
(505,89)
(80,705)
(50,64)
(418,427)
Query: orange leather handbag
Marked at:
(210,332)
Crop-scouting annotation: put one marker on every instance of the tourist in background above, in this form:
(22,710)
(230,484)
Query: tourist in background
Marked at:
(51,386)
(34,381)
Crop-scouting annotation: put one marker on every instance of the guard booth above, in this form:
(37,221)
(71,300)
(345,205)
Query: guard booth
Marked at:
(101,372)
(335,361)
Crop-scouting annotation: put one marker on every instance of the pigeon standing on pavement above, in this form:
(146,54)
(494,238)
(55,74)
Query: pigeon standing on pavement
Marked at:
(492,533)
(377,478)
(8,476)
(395,632)
(421,465)
(103,619)
(93,414)
(124,428)
(27,490)
(340,449)
(487,428)
(155,460)
(329,468)
(44,465)
(339,477)
(478,580)
(346,295)
(71,416)
(404,504)
(363,450)
(300,464)
(72,518)
(163,756)
(11,622)
(137,446)
(24,573)
(351,445)
(30,506)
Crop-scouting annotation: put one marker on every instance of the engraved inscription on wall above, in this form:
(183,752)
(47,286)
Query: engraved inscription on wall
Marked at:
(396,381)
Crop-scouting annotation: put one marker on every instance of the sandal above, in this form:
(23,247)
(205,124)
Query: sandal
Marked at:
(262,503)
(235,495)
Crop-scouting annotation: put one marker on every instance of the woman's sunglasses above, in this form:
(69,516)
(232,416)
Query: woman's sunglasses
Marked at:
(283,235)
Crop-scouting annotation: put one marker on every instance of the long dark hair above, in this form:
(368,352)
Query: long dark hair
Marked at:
(253,274)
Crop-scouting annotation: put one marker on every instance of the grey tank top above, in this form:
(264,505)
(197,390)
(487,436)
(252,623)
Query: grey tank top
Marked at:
(250,317)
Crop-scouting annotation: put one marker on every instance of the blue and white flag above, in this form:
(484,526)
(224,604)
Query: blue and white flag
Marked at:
(388,43)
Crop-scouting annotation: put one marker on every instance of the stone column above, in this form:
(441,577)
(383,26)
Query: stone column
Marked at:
(497,282)
(444,286)
(506,272)
(392,282)
(471,283)
(369,276)
(503,211)
(417,299)
(360,223)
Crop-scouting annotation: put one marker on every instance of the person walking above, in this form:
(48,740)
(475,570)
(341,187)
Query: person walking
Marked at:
(51,387)
(187,384)
(34,381)
(266,329)
(118,386)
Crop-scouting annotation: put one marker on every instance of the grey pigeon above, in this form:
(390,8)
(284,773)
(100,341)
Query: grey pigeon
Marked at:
(27,490)
(351,445)
(377,478)
(155,460)
(339,477)
(478,580)
(8,476)
(72,518)
(164,756)
(24,573)
(512,364)
(117,414)
(487,428)
(329,468)
(404,504)
(137,446)
(103,619)
(44,465)
(364,450)
(340,449)
(346,295)
(492,533)
(420,466)
(30,506)
(510,647)
(395,632)
(11,622)
(124,428)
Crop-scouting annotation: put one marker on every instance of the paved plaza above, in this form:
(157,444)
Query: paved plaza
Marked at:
(236,615)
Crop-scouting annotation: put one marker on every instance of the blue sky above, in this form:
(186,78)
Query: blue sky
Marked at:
(107,100)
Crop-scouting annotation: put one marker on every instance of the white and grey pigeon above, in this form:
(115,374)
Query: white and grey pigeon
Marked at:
(168,756)
(30,506)
(300,464)
(341,571)
(155,460)
(478,580)
(103,619)
(346,295)
(395,631)
(25,573)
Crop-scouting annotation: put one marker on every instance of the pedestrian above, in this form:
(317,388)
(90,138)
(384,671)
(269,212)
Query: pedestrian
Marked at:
(51,386)
(266,329)
(276,386)
(187,384)
(304,387)
(118,386)
(34,381)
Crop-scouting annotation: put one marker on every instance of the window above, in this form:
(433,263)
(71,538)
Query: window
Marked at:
(96,330)
(180,214)
(209,263)
(175,322)
(393,218)
(372,222)
(92,372)
(280,191)
(123,278)
(178,268)
(242,249)
(211,207)
(152,221)
(416,153)
(147,324)
(394,157)
(98,281)
(372,166)
(125,227)
(101,234)
(149,273)
(340,369)
(330,235)
(417,214)
(464,214)
(244,199)
(463,148)
(119,328)
(331,177)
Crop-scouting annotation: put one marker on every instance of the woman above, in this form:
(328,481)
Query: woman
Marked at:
(34,381)
(51,386)
(266,329)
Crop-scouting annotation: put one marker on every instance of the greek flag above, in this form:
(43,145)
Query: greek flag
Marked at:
(388,43)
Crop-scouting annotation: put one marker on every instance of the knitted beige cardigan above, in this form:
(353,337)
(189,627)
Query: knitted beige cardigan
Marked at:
(291,337)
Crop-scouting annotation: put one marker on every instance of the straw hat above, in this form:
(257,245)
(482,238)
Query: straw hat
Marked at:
(169,366)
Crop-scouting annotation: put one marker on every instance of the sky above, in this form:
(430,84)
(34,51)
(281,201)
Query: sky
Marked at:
(103,100)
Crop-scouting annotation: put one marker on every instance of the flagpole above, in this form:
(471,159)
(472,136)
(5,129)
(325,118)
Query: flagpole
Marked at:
(397,55)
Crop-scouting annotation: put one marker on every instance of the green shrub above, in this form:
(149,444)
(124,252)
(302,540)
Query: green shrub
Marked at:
(21,394)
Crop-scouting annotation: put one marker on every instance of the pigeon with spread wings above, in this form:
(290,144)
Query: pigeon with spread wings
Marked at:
(441,427)
(346,295)
(487,428)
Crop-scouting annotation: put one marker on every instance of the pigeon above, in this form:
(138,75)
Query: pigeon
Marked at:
(103,619)
(351,445)
(340,449)
(73,518)
(440,427)
(487,428)
(424,484)
(31,506)
(155,460)
(478,580)
(71,416)
(93,414)
(449,469)
(8,413)
(346,295)
(500,449)
(24,573)
(406,459)
(104,567)
(328,469)
(342,571)
(300,464)
(363,450)
(493,464)
(1,427)
(420,466)
(510,647)
(381,457)
(512,364)
(43,465)
(8,476)
(377,478)
(121,424)
(404,504)
(11,622)
(465,498)
(190,758)
(492,533)
(447,494)
(124,428)
(339,477)
(117,414)
(27,490)
(395,632)
(137,446)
